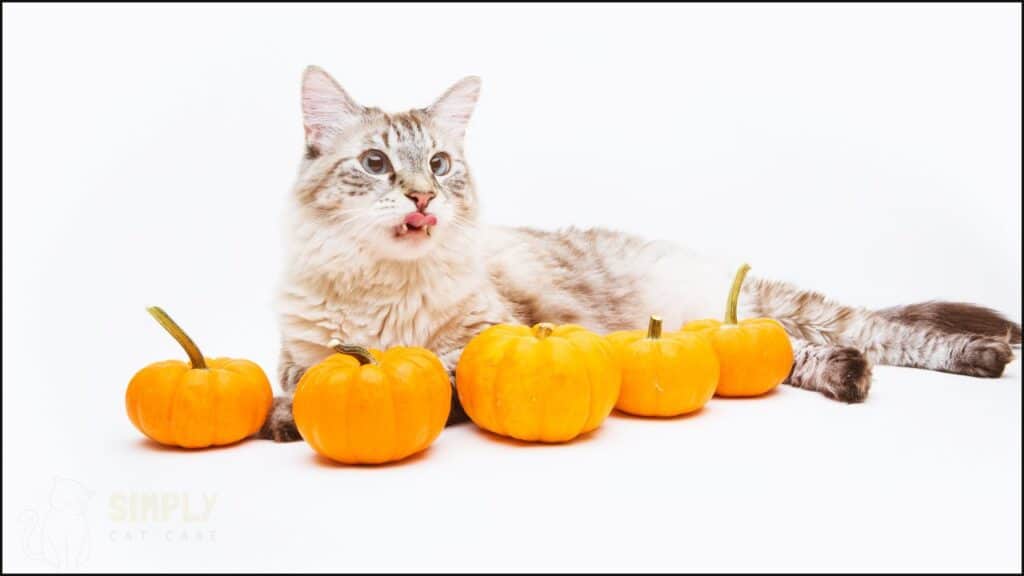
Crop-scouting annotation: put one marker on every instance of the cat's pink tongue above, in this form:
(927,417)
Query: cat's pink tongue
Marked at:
(419,220)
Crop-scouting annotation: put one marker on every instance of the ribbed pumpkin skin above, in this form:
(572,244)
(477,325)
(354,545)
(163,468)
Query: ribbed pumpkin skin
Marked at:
(373,413)
(549,389)
(755,355)
(174,404)
(668,376)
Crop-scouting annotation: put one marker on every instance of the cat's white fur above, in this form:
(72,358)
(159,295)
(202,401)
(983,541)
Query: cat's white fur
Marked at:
(353,275)
(337,290)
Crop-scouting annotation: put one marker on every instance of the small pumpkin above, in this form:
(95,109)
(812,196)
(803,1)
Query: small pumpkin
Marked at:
(205,402)
(664,376)
(755,355)
(541,384)
(364,406)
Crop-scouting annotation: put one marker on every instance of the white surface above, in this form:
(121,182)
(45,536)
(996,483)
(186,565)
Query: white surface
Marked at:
(872,152)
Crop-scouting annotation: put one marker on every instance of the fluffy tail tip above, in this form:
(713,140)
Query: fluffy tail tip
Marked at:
(958,317)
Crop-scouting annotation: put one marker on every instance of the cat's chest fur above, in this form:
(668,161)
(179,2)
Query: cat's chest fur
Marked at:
(359,300)
(408,318)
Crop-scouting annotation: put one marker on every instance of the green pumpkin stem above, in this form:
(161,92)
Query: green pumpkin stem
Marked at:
(194,355)
(543,330)
(358,352)
(734,294)
(654,328)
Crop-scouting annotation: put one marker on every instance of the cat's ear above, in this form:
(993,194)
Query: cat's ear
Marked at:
(327,110)
(453,109)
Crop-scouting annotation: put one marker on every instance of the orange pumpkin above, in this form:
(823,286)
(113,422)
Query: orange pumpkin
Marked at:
(666,376)
(755,355)
(364,406)
(207,402)
(545,383)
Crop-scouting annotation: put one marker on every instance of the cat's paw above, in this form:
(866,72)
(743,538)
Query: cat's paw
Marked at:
(846,375)
(456,415)
(983,357)
(289,375)
(283,432)
(280,425)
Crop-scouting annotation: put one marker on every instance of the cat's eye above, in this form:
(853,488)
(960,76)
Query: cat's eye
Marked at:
(440,164)
(375,162)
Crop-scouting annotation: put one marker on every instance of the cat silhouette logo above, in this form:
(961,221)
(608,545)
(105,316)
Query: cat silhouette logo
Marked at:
(60,535)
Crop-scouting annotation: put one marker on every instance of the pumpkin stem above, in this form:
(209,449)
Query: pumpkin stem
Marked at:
(654,328)
(734,294)
(358,352)
(543,330)
(194,355)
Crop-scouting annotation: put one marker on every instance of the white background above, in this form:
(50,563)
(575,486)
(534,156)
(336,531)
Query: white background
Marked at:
(871,152)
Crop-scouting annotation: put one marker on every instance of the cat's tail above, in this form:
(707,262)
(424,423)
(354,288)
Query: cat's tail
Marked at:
(947,336)
(957,318)
(32,543)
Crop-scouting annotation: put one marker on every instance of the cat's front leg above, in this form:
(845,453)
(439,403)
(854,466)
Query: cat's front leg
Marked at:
(450,360)
(280,425)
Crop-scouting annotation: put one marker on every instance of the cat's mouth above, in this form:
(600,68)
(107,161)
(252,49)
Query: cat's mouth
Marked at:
(416,224)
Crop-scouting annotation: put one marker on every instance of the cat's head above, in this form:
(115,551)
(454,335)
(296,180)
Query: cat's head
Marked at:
(395,184)
(67,494)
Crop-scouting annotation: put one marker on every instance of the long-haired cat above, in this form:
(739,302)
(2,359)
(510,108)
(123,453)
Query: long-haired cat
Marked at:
(386,249)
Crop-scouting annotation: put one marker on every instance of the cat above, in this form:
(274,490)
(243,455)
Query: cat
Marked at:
(385,249)
(60,537)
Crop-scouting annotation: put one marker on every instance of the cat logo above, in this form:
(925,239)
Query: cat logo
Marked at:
(59,536)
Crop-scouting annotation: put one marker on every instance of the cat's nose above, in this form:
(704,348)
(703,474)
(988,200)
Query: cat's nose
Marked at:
(421,199)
